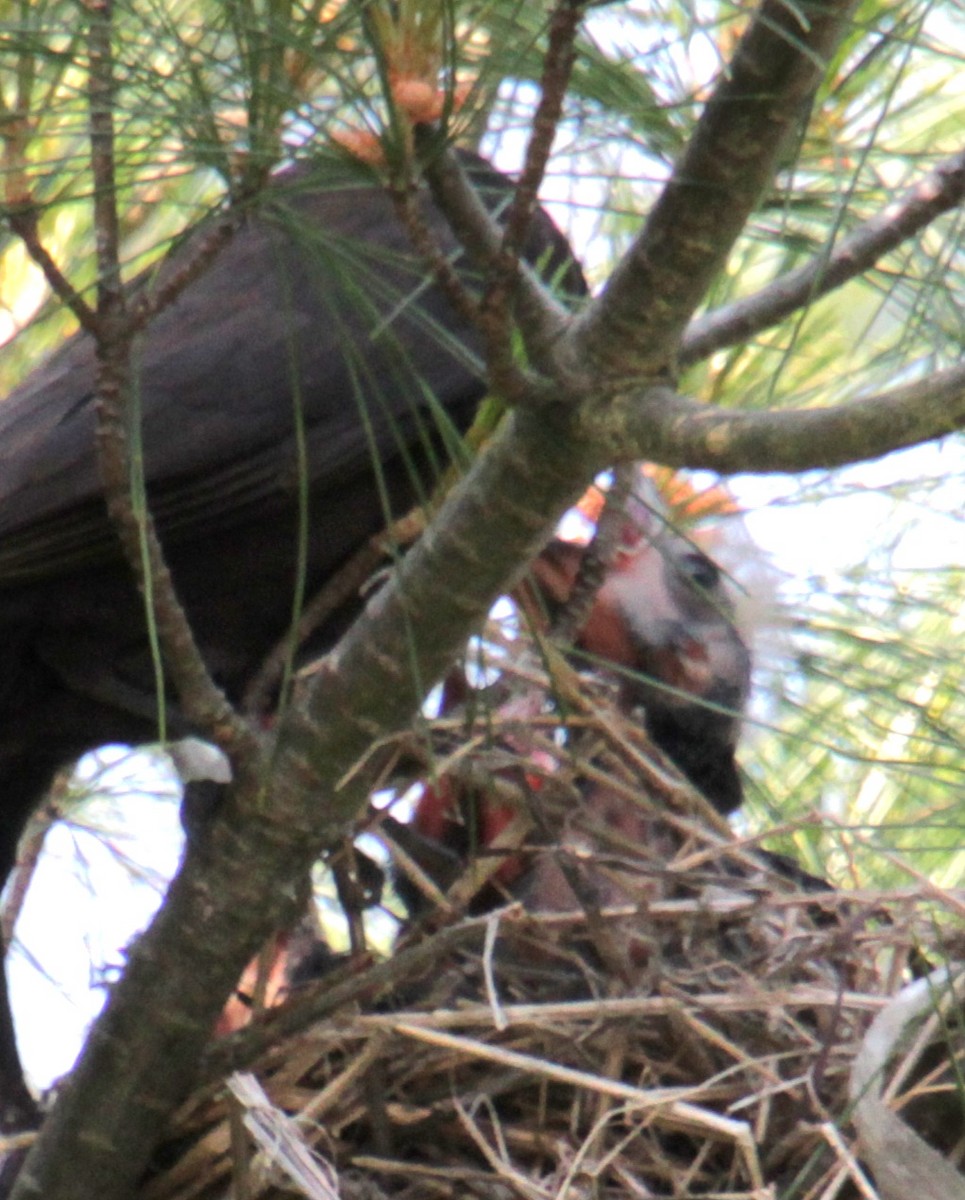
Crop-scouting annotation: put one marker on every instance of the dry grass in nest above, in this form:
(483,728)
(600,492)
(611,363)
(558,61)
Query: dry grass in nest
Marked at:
(688,1030)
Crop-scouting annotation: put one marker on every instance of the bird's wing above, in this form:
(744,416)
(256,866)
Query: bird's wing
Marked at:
(316,314)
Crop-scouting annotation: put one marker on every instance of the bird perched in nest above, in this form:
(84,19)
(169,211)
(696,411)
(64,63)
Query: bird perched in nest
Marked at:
(663,617)
(316,320)
(664,614)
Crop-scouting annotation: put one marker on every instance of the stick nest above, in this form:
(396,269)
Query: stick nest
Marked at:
(687,1027)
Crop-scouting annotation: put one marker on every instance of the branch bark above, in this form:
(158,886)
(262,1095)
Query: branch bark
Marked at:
(542,320)
(677,431)
(558,64)
(634,328)
(940,190)
(203,701)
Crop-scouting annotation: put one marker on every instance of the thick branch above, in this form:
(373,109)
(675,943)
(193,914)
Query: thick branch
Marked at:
(490,527)
(635,325)
(940,190)
(679,432)
(225,901)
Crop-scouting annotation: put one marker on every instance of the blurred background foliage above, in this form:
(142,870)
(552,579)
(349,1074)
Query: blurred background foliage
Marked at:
(854,743)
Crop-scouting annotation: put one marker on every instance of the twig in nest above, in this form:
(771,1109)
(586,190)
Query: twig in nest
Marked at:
(281,1142)
(492,991)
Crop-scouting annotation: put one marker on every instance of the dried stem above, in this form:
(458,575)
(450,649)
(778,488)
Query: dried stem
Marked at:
(204,704)
(557,70)
(940,190)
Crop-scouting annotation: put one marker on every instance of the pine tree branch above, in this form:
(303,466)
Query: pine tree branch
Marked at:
(633,328)
(202,700)
(558,65)
(541,319)
(23,222)
(942,189)
(677,431)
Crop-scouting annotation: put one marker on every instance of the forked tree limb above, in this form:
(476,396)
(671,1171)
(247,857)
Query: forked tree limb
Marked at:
(633,328)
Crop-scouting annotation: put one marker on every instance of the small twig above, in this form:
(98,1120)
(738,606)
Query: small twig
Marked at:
(668,1104)
(492,988)
(28,855)
(850,1167)
(520,1186)
(281,1142)
(343,585)
(201,698)
(332,1095)
(240,1049)
(240,1154)
(599,555)
(24,225)
(148,305)
(940,190)
(542,320)
(554,83)
(635,1008)
(350,895)
(404,198)
(101,88)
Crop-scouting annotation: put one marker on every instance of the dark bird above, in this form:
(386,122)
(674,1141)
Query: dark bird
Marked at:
(316,313)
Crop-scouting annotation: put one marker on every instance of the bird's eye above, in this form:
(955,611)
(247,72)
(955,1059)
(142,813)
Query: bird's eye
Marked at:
(701,572)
